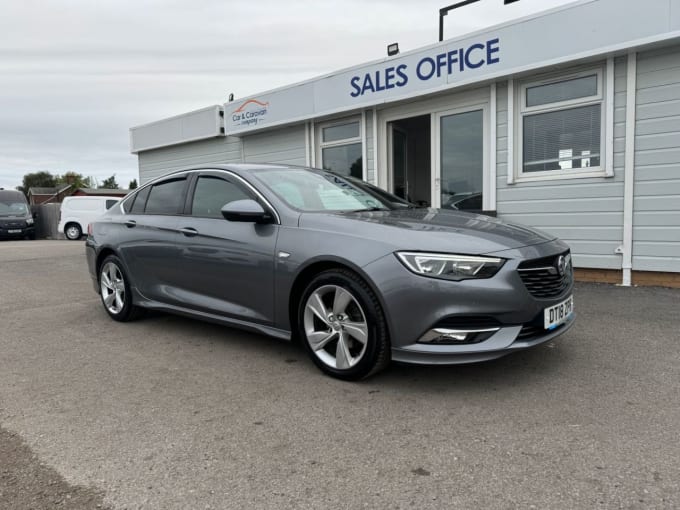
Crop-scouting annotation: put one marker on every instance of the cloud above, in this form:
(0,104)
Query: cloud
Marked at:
(76,75)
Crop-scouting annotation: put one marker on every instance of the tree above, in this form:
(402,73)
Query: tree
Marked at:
(133,184)
(75,180)
(37,180)
(109,183)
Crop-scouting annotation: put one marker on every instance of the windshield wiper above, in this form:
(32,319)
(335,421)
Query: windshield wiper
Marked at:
(369,209)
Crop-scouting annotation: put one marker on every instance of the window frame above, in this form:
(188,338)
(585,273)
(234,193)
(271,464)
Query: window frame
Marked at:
(525,111)
(321,145)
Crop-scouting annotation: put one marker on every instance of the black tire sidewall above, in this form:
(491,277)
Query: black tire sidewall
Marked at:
(73,238)
(127,312)
(374,320)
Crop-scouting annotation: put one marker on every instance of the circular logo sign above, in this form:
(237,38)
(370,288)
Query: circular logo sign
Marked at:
(562,265)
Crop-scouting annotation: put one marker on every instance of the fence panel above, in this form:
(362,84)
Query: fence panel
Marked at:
(47,221)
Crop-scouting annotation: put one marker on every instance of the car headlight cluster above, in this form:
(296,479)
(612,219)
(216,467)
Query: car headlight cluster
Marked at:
(450,267)
(29,221)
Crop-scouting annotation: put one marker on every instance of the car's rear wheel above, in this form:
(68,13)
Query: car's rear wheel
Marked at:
(73,232)
(114,289)
(343,326)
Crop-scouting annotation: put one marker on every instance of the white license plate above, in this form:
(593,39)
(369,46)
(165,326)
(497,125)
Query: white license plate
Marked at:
(558,314)
(14,231)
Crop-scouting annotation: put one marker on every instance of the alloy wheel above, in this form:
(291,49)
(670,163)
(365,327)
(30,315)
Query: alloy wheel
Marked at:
(112,287)
(335,327)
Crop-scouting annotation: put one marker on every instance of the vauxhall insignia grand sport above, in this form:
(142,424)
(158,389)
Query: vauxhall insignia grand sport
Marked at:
(358,276)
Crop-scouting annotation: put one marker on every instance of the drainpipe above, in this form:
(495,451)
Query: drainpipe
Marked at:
(629,170)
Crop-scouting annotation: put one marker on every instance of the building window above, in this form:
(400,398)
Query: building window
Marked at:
(560,127)
(340,147)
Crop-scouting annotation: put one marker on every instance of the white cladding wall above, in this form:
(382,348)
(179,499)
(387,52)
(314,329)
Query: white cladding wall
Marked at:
(286,145)
(157,162)
(656,206)
(586,213)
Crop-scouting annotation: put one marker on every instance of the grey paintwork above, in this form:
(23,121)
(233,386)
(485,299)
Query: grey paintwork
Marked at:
(231,272)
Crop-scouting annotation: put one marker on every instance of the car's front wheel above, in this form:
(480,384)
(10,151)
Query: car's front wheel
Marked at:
(343,326)
(114,289)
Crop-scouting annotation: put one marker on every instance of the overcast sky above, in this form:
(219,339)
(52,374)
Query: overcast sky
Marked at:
(75,75)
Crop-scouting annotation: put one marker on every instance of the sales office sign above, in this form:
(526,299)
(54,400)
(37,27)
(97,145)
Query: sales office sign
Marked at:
(371,84)
(454,61)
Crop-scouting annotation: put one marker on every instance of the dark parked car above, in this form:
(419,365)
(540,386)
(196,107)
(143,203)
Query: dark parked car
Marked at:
(16,220)
(358,276)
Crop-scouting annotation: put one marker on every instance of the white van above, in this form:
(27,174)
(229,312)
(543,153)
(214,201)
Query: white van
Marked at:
(78,212)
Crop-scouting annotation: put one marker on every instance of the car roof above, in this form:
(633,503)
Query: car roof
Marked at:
(10,193)
(238,168)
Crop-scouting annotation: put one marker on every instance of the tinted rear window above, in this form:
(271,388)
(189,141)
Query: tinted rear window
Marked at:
(140,201)
(166,197)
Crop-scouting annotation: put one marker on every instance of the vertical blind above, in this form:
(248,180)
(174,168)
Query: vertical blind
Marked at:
(562,139)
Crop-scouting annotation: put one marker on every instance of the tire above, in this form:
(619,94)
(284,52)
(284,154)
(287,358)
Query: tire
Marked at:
(342,326)
(73,232)
(113,281)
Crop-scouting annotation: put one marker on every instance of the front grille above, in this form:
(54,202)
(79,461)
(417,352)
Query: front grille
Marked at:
(542,277)
(12,224)
(530,331)
(467,322)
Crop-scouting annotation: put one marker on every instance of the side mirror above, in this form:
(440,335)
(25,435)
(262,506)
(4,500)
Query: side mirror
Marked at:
(246,210)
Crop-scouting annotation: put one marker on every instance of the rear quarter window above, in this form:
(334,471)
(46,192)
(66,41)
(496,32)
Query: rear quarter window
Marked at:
(137,207)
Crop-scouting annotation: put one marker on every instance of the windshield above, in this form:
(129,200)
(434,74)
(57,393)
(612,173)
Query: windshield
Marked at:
(308,190)
(12,208)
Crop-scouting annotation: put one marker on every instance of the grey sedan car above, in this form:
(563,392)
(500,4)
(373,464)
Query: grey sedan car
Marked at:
(358,276)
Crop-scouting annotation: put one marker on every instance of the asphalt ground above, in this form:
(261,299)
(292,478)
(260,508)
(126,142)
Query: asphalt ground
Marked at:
(168,412)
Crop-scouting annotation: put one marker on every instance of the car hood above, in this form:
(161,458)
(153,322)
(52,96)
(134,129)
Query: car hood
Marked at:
(429,229)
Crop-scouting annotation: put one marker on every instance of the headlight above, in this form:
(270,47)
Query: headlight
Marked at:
(29,221)
(450,267)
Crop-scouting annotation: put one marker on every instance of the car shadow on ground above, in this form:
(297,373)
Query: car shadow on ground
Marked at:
(533,366)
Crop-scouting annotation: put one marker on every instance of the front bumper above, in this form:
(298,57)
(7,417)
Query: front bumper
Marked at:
(503,342)
(414,305)
(16,232)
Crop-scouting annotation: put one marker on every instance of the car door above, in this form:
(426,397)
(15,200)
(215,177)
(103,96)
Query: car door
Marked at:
(227,266)
(149,241)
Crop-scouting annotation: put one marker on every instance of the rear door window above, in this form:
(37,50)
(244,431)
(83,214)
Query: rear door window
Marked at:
(166,197)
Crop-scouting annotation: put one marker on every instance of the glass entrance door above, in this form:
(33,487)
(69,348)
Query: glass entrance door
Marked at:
(462,159)
(399,154)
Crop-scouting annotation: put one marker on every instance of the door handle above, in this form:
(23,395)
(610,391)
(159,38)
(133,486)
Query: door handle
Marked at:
(130,223)
(188,231)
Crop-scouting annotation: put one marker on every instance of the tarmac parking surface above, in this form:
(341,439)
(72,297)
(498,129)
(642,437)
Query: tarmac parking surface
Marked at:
(168,412)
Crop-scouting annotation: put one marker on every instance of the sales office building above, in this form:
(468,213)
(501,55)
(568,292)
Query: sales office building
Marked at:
(568,121)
